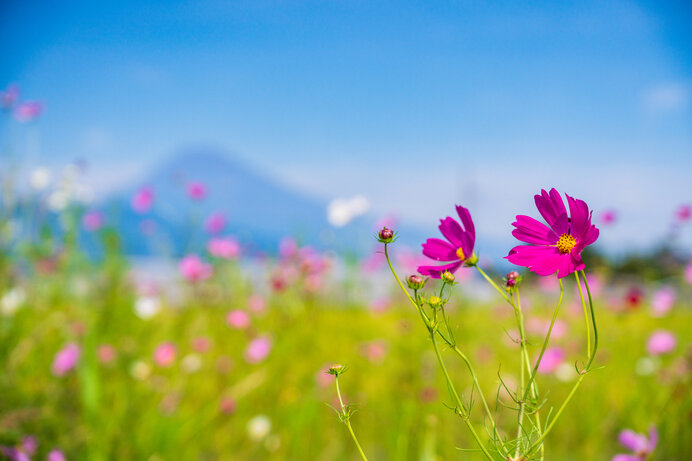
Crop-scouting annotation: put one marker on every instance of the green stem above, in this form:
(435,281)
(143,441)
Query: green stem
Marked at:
(347,420)
(490,281)
(586,316)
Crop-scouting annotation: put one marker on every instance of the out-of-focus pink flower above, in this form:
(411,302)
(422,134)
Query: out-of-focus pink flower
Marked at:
(287,248)
(66,359)
(165,354)
(633,298)
(375,351)
(258,349)
(28,111)
(640,446)
(226,248)
(540,327)
(552,358)
(143,200)
(374,261)
(194,269)
(389,221)
(323,378)
(9,97)
(688,273)
(93,220)
(196,191)
(55,455)
(661,342)
(548,285)
(313,283)
(201,344)
(227,405)
(238,319)
(215,223)
(106,353)
(608,217)
(256,304)
(663,300)
(22,452)
(380,305)
(683,213)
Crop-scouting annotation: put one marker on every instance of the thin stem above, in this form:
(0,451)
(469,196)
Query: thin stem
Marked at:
(586,316)
(593,321)
(347,420)
(490,281)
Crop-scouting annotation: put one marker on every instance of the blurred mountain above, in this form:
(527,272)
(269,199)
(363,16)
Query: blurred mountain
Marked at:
(260,210)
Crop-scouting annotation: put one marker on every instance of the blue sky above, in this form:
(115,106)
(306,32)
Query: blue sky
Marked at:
(417,105)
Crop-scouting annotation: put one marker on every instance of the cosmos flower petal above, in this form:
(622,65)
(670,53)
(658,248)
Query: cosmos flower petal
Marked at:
(439,250)
(653,438)
(530,230)
(580,218)
(466,220)
(451,230)
(553,210)
(622,457)
(542,260)
(436,271)
(632,441)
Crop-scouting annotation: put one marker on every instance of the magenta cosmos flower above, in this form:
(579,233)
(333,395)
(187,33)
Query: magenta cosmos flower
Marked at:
(458,247)
(558,246)
(640,445)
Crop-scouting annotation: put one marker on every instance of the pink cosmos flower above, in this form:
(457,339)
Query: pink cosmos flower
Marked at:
(683,213)
(227,405)
(196,191)
(661,342)
(608,217)
(93,221)
(238,319)
(22,452)
(201,344)
(640,446)
(28,111)
(106,353)
(287,248)
(66,359)
(225,248)
(143,200)
(258,349)
(663,300)
(165,354)
(215,223)
(55,455)
(458,248)
(556,248)
(256,304)
(9,97)
(194,269)
(552,359)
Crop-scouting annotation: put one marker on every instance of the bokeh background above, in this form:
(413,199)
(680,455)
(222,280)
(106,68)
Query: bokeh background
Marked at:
(190,193)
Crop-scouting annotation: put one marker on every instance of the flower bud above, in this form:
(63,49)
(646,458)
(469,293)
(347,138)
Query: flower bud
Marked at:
(415,282)
(386,235)
(336,370)
(513,275)
(447,277)
(471,260)
(434,301)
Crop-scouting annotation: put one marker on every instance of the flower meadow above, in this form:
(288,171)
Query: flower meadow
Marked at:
(225,351)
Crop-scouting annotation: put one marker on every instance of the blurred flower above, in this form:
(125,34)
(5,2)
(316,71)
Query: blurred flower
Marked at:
(341,211)
(259,427)
(633,298)
(226,248)
(147,306)
(646,366)
(663,300)
(22,452)
(93,220)
(256,304)
(28,111)
(58,200)
(140,370)
(258,349)
(39,178)
(607,217)
(12,300)
(55,455)
(201,344)
(66,359)
(165,354)
(9,96)
(215,223)
(288,248)
(238,319)
(143,200)
(375,351)
(688,273)
(458,248)
(556,248)
(191,363)
(565,372)
(227,405)
(106,353)
(640,446)
(552,358)
(683,213)
(196,191)
(194,269)
(661,342)
(540,327)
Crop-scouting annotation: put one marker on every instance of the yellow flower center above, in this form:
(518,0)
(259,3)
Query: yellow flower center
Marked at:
(566,243)
(460,253)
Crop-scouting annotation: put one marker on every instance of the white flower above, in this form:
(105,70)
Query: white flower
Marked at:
(147,306)
(341,211)
(259,427)
(40,178)
(58,200)
(565,372)
(191,363)
(140,370)
(12,300)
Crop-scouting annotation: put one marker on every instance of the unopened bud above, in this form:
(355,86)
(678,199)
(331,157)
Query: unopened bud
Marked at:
(434,301)
(336,370)
(513,275)
(447,277)
(415,282)
(471,260)
(386,235)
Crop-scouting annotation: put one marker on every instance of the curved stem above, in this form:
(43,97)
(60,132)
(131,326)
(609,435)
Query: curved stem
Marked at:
(490,281)
(593,321)
(347,421)
(586,316)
